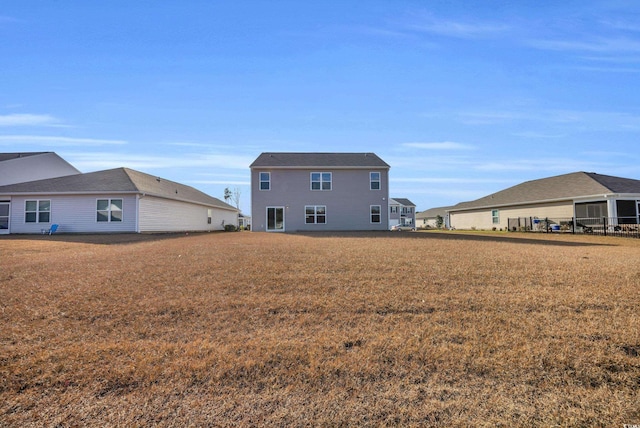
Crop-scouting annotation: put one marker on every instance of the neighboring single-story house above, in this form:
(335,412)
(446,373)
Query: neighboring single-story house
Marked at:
(402,211)
(579,195)
(428,219)
(115,200)
(30,166)
(319,192)
(244,222)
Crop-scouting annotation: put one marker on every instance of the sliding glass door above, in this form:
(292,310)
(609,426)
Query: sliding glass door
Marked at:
(275,219)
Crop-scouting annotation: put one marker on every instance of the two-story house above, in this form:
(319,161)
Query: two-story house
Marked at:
(319,192)
(402,211)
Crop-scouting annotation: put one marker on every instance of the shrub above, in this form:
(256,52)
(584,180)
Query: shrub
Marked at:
(230,228)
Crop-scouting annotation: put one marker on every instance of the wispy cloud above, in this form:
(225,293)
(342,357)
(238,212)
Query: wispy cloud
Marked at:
(576,120)
(457,29)
(539,135)
(105,160)
(40,140)
(547,164)
(222,182)
(610,69)
(4,19)
(621,25)
(444,145)
(449,180)
(28,120)
(599,45)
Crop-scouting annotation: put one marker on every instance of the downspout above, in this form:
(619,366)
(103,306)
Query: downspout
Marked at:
(138,196)
(612,209)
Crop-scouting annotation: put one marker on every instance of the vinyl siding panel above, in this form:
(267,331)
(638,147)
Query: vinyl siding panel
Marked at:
(347,203)
(482,219)
(74,214)
(164,215)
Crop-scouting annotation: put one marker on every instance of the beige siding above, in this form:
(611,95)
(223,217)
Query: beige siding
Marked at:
(164,215)
(482,219)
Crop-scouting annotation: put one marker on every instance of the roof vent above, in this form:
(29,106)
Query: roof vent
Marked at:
(158,179)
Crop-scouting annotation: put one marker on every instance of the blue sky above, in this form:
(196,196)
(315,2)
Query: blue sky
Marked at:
(461,98)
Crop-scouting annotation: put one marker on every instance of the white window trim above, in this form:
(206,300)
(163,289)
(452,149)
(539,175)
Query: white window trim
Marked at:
(109,210)
(371,214)
(315,214)
(260,181)
(321,181)
(495,219)
(284,219)
(371,180)
(37,211)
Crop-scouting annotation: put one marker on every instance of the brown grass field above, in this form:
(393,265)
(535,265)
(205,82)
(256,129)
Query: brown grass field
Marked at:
(365,329)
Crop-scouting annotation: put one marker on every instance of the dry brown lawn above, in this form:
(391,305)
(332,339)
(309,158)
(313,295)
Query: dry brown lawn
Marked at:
(254,329)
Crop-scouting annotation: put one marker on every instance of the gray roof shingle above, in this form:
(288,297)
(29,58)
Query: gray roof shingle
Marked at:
(119,180)
(433,212)
(318,160)
(404,201)
(10,156)
(561,187)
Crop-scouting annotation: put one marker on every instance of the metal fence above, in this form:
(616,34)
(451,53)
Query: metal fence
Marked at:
(606,226)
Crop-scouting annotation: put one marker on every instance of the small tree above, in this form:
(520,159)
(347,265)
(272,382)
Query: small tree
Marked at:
(439,221)
(227,194)
(235,197)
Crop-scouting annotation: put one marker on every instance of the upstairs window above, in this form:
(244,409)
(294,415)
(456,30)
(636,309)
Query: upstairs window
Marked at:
(109,210)
(407,210)
(38,211)
(265,181)
(315,214)
(393,209)
(374,180)
(320,181)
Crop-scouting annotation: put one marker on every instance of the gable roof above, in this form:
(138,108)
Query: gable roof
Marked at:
(10,156)
(561,187)
(118,180)
(318,160)
(403,201)
(433,212)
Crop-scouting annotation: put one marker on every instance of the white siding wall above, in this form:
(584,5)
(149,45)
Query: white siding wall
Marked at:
(482,219)
(74,214)
(164,215)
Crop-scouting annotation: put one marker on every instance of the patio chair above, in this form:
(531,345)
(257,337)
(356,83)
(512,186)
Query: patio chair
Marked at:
(52,229)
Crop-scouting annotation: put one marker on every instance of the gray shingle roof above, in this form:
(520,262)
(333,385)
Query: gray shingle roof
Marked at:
(9,156)
(318,160)
(404,201)
(561,187)
(119,180)
(433,212)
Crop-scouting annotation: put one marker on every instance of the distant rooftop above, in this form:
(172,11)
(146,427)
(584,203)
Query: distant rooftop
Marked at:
(561,187)
(319,160)
(118,180)
(10,156)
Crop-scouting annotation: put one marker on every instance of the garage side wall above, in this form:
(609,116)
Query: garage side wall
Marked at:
(164,215)
(482,219)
